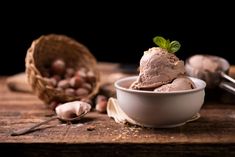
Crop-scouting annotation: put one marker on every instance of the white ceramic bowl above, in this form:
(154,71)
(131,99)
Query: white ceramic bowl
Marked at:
(160,109)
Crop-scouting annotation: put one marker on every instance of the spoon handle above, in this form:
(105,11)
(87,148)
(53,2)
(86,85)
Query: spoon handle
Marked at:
(27,130)
(228,87)
(225,76)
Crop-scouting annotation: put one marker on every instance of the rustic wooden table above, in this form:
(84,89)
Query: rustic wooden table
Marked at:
(211,135)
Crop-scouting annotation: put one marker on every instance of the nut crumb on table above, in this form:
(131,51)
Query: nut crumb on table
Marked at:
(91,128)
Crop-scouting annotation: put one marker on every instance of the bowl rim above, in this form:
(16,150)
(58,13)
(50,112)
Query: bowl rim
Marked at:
(117,86)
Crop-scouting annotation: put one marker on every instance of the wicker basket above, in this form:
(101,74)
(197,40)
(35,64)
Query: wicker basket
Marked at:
(49,47)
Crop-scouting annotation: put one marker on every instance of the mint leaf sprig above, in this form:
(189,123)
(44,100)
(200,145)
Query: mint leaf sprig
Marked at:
(171,47)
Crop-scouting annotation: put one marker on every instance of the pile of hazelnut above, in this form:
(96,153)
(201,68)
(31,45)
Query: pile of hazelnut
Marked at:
(73,82)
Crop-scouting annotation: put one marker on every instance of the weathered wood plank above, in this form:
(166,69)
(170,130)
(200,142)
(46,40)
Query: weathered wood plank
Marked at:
(216,125)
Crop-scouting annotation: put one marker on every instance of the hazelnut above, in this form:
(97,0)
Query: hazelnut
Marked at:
(45,74)
(82,73)
(108,90)
(53,82)
(101,103)
(87,86)
(56,77)
(50,82)
(81,92)
(59,89)
(58,67)
(70,91)
(63,84)
(53,105)
(69,72)
(75,82)
(91,76)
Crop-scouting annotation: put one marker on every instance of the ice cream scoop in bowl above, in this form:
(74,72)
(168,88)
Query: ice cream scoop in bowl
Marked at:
(159,109)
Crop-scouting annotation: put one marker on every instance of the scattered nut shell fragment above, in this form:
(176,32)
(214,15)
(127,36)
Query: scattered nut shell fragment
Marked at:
(90,128)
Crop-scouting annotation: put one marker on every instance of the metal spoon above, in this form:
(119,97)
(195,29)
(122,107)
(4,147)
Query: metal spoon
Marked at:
(68,112)
(32,128)
(212,69)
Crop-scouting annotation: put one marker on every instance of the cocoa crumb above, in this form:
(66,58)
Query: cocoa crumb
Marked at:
(90,128)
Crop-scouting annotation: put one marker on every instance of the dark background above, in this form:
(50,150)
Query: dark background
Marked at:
(118,32)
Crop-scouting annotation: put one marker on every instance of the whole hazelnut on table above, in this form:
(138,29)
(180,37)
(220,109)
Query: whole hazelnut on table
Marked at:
(101,103)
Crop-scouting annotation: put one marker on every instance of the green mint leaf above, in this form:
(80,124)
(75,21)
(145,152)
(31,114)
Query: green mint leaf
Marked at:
(174,46)
(171,47)
(160,41)
(168,42)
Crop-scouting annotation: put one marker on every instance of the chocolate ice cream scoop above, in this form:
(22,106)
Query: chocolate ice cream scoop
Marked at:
(157,67)
(180,83)
(211,69)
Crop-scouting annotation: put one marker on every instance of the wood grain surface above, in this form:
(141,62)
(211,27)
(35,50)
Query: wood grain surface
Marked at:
(98,135)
